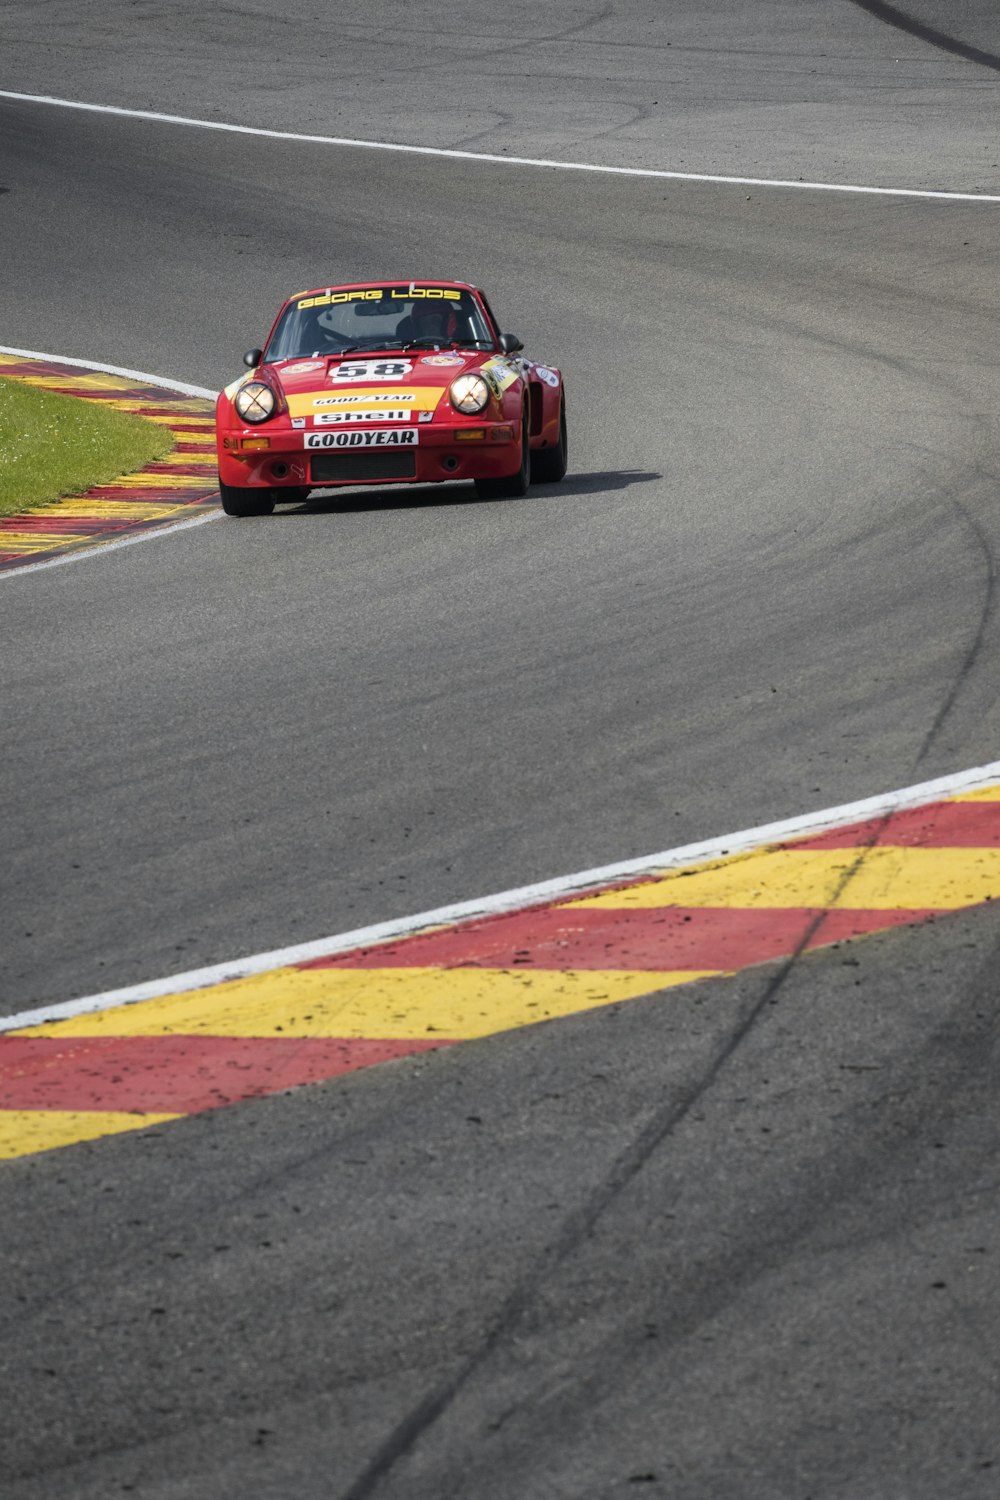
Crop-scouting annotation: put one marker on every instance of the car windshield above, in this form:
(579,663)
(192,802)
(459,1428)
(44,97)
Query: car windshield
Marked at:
(341,320)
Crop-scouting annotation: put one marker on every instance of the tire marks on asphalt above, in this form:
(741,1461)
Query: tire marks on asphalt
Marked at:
(893,16)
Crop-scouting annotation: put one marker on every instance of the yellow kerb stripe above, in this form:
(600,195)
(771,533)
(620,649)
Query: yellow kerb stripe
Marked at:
(886,878)
(25,1131)
(204,446)
(984,794)
(373,1003)
(149,481)
(103,510)
(80,383)
(38,541)
(208,423)
(177,406)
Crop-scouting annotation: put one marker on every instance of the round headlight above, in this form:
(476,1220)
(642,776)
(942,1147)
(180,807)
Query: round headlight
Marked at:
(469,393)
(255,401)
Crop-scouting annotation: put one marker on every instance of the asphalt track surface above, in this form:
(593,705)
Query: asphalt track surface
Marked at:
(739,1241)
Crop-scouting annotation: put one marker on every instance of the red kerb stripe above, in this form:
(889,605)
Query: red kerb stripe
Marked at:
(594,938)
(175,1074)
(938,825)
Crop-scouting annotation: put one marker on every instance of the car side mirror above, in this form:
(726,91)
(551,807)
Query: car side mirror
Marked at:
(253,357)
(510,343)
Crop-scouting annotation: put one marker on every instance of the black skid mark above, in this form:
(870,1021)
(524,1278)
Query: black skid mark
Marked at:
(975,648)
(658,1129)
(892,16)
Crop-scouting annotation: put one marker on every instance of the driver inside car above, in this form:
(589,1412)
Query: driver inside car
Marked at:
(428,325)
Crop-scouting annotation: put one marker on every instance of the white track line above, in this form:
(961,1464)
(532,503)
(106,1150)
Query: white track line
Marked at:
(515,161)
(102,548)
(88,364)
(528,895)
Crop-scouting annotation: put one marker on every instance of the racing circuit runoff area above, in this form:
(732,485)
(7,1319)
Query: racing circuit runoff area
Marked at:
(682,1186)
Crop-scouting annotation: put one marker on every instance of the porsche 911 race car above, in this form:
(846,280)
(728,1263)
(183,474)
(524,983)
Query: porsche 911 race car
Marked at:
(387,383)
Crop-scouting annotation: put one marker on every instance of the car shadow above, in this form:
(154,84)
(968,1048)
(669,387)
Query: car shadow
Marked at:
(434,496)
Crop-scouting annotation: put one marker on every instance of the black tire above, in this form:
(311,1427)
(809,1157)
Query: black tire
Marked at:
(237,501)
(548,465)
(511,486)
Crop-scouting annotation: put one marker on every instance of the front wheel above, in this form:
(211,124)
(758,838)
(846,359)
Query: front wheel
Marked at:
(511,485)
(548,465)
(237,501)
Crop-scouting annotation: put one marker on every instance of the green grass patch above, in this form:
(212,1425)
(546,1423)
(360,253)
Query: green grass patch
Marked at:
(52,445)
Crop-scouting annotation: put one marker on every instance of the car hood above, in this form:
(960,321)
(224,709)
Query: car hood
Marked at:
(417,379)
(390,372)
(414,368)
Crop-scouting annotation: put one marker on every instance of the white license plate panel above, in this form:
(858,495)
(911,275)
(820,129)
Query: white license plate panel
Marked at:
(379,437)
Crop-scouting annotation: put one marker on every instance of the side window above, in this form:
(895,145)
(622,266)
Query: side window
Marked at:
(494,325)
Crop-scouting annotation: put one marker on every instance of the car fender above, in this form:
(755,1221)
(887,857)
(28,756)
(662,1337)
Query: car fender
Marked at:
(546,396)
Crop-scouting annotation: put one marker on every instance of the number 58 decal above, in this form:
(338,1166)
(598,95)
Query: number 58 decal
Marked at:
(358,370)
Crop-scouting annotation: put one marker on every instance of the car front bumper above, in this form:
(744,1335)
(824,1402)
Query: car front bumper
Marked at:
(367,455)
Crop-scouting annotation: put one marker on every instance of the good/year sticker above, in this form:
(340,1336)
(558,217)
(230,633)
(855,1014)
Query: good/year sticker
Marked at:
(400,437)
(354,370)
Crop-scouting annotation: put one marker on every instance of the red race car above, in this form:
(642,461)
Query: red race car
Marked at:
(387,383)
